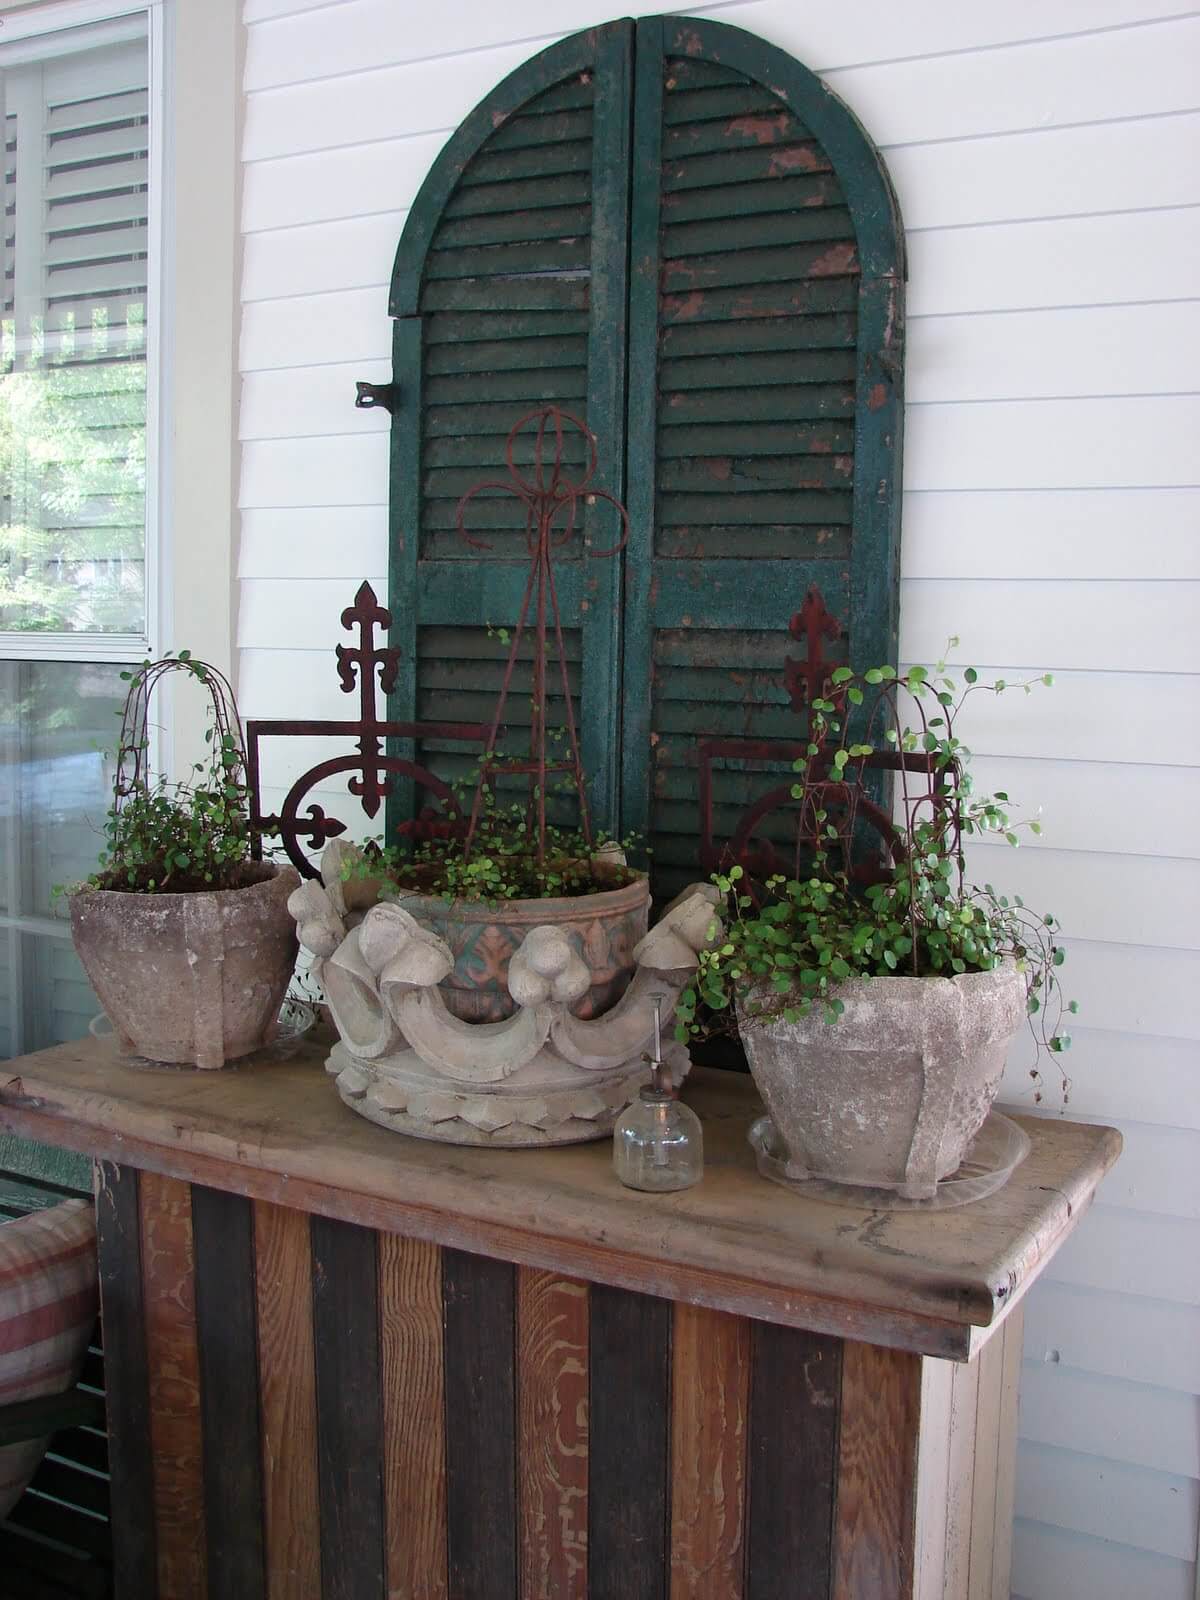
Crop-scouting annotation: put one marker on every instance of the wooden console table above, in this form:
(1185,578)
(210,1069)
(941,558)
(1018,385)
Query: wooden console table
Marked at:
(347,1365)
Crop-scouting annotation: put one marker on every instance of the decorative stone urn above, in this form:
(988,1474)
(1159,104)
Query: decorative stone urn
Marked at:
(891,1095)
(190,978)
(553,1064)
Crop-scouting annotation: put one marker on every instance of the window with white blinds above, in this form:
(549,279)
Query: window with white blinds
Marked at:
(76,512)
(73,338)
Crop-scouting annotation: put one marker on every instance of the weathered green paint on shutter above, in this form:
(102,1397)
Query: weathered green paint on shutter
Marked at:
(683,203)
(509,289)
(765,408)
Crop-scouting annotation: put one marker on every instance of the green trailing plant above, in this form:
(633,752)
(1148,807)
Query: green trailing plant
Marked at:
(503,862)
(166,837)
(873,893)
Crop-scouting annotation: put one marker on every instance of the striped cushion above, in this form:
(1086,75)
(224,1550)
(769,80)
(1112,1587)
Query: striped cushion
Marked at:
(47,1313)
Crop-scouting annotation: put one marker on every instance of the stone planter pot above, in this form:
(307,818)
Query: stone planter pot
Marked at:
(602,929)
(190,978)
(512,1024)
(891,1095)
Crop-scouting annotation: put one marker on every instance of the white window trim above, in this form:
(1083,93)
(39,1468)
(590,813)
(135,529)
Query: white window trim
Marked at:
(36,23)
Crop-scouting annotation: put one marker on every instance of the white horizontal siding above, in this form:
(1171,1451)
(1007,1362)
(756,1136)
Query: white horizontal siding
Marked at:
(1041,153)
(1109,1499)
(1159,1171)
(1050,1563)
(1163,1066)
(1137,1423)
(294,51)
(1106,1333)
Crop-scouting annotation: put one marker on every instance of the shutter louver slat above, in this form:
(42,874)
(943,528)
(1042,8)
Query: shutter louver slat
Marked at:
(787,227)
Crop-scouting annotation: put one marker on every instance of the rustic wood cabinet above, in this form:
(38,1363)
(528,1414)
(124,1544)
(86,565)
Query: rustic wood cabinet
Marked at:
(350,1365)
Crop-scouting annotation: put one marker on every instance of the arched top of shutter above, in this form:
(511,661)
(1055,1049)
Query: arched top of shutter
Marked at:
(865,181)
(859,169)
(564,75)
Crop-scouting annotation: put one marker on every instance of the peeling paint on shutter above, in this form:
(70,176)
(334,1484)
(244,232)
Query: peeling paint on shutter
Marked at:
(763,234)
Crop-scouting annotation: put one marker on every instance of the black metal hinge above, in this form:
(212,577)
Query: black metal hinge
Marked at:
(371,395)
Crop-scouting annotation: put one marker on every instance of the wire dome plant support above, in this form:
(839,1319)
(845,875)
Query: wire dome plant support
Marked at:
(202,828)
(552,500)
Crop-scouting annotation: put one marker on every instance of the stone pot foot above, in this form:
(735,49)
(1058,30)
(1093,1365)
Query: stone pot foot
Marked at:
(402,1095)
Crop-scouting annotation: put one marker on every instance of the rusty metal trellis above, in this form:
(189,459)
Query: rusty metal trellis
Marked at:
(551,500)
(849,798)
(370,667)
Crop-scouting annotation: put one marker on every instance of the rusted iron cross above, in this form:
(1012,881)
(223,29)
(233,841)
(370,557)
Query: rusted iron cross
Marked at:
(808,680)
(375,668)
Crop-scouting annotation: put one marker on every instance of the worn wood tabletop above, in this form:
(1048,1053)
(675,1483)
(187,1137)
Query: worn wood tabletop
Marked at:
(276,1130)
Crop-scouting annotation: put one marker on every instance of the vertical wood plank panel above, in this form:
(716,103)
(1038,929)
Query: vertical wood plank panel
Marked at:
(126,1379)
(960,1481)
(793,1442)
(987,1450)
(288,1397)
(552,1422)
(227,1347)
(349,1432)
(481,1494)
(169,1285)
(710,1401)
(933,1469)
(629,1382)
(877,1460)
(1006,1452)
(414,1421)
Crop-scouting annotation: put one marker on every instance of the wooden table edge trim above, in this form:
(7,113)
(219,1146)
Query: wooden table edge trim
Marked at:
(896,1329)
(31,1107)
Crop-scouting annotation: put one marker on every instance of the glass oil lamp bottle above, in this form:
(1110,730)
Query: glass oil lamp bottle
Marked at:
(658,1144)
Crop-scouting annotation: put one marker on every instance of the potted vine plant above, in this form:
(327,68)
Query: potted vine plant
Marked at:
(876,989)
(186,940)
(482,889)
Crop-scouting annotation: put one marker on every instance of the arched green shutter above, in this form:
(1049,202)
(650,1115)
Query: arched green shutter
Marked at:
(510,289)
(676,229)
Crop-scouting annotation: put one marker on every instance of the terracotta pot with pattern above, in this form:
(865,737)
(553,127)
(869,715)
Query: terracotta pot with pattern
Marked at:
(603,928)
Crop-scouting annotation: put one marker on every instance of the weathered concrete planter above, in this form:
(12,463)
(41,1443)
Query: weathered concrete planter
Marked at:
(190,978)
(602,929)
(891,1095)
(519,1023)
